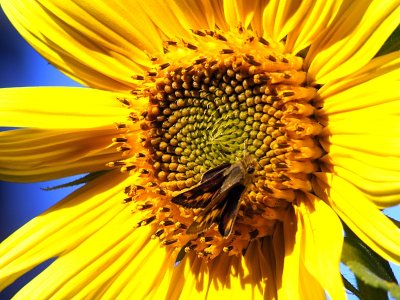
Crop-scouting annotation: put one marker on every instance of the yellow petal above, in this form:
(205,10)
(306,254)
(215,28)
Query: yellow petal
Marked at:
(290,285)
(310,287)
(217,6)
(312,256)
(318,16)
(170,17)
(379,72)
(377,120)
(370,93)
(114,262)
(378,184)
(193,14)
(372,181)
(362,216)
(353,39)
(257,21)
(140,269)
(390,163)
(54,107)
(388,145)
(271,257)
(100,45)
(321,240)
(379,173)
(239,277)
(279,242)
(281,17)
(228,277)
(29,155)
(223,278)
(362,133)
(189,279)
(63,227)
(239,12)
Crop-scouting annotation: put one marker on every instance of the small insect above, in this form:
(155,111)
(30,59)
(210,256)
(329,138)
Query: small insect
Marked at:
(219,194)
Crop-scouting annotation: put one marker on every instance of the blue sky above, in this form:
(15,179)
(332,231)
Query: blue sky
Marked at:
(22,66)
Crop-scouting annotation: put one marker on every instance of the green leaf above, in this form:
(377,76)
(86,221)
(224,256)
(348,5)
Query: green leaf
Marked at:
(392,44)
(374,276)
(386,271)
(366,282)
(82,180)
(350,287)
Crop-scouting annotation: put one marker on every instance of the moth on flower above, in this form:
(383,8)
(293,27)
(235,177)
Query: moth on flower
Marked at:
(219,194)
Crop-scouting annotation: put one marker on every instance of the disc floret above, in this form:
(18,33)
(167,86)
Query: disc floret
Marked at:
(215,100)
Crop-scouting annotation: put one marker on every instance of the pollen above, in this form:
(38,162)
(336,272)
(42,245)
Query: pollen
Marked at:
(217,100)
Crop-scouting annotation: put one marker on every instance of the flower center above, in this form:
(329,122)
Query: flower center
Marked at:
(231,136)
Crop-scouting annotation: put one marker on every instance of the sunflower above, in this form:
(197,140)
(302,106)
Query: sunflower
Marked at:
(225,142)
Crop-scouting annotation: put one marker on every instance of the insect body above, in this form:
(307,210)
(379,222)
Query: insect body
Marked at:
(218,193)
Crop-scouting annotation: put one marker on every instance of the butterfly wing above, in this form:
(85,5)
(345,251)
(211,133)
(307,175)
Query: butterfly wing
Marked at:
(230,210)
(200,195)
(209,216)
(215,172)
(222,210)
(219,193)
